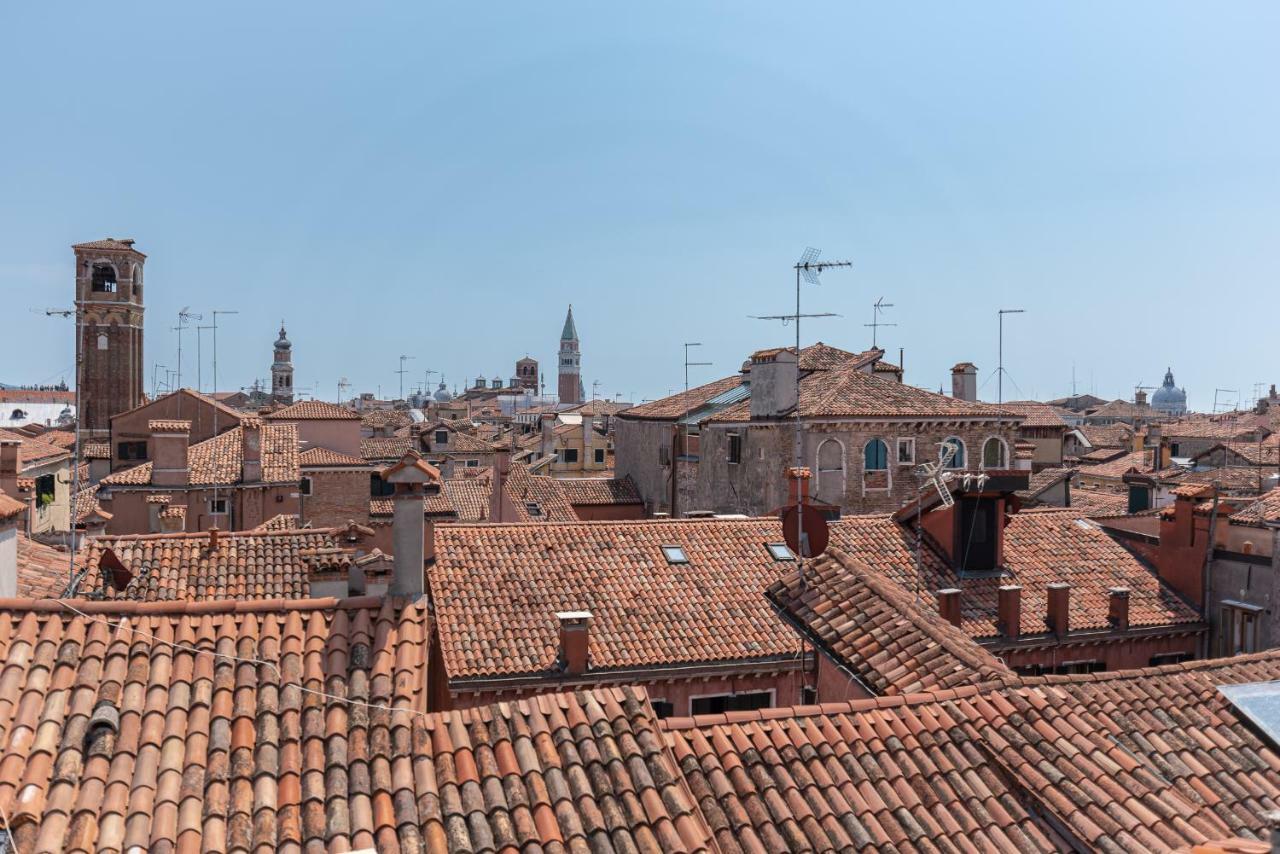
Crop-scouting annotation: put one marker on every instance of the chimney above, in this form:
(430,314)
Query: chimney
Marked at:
(773,383)
(1058,618)
(1009,611)
(1023,454)
(797,486)
(548,426)
(1140,398)
(964,381)
(1118,608)
(588,433)
(213,539)
(169,441)
(413,479)
(10,466)
(173,520)
(949,605)
(251,446)
(11,512)
(575,630)
(498,503)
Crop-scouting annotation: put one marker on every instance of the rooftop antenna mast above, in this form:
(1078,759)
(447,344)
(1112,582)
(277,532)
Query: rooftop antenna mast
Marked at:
(216,313)
(1216,405)
(75,468)
(688,364)
(932,473)
(808,269)
(402,372)
(1000,370)
(877,309)
(343,385)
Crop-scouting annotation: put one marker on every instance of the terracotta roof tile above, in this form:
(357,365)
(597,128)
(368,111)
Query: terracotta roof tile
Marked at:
(394,418)
(385,448)
(600,490)
(1035,414)
(1265,510)
(876,630)
(43,571)
(324,457)
(35,452)
(497,589)
(308,410)
(96,450)
(218,461)
(1108,435)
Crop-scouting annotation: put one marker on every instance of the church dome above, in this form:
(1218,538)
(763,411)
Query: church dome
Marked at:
(442,395)
(282,343)
(1169,398)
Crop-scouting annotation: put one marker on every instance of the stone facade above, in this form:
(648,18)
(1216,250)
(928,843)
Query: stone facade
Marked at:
(109,345)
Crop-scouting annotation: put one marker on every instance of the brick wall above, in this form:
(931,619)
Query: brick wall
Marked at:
(337,496)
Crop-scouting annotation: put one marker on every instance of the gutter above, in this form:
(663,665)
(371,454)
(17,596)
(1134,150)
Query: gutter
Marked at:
(652,673)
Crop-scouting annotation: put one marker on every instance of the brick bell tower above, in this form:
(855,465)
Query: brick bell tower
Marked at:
(570,362)
(109,345)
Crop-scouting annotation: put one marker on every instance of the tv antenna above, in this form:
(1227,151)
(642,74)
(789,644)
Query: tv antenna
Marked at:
(808,269)
(183,316)
(877,309)
(343,385)
(934,473)
(402,372)
(1227,407)
(1000,370)
(688,364)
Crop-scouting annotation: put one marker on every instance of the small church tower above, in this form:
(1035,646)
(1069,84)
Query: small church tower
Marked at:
(109,343)
(282,369)
(570,362)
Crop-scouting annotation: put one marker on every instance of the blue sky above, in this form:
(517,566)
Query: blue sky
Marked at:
(442,181)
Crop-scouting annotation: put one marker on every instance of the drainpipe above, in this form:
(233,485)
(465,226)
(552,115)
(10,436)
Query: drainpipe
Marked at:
(1204,573)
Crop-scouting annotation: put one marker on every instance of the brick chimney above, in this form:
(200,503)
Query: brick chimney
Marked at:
(949,605)
(547,423)
(1023,455)
(1118,608)
(1140,398)
(214,539)
(964,381)
(500,509)
(575,631)
(169,441)
(1058,617)
(1009,611)
(588,434)
(10,466)
(798,482)
(413,478)
(11,512)
(173,519)
(251,446)
(773,383)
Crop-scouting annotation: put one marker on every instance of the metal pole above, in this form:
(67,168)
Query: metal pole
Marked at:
(1000,370)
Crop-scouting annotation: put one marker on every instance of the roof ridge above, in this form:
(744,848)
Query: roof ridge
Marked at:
(176,606)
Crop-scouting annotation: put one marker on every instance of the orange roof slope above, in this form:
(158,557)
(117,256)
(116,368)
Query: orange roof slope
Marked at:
(260,564)
(218,461)
(600,490)
(1040,548)
(313,410)
(878,632)
(497,589)
(1146,760)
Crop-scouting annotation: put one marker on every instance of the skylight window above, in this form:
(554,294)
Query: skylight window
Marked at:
(675,554)
(779,551)
(1260,703)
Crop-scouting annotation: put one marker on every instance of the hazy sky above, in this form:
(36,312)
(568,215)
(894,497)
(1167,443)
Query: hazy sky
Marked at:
(442,182)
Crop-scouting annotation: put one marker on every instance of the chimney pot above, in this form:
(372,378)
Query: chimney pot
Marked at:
(1009,611)
(949,605)
(1118,608)
(213,539)
(964,381)
(251,450)
(1058,617)
(575,631)
(798,485)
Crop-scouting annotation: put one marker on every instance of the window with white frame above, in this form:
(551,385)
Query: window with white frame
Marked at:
(906,451)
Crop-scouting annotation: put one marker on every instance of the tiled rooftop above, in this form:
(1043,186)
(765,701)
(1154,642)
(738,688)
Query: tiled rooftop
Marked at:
(497,589)
(877,631)
(36,452)
(1117,467)
(218,461)
(1035,414)
(393,418)
(600,490)
(1146,760)
(263,564)
(1265,510)
(314,410)
(43,571)
(1108,435)
(324,457)
(385,448)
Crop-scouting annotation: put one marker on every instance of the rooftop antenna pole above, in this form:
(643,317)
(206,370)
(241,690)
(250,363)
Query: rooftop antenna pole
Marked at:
(343,385)
(75,458)
(877,309)
(401,372)
(217,312)
(808,268)
(1000,370)
(688,364)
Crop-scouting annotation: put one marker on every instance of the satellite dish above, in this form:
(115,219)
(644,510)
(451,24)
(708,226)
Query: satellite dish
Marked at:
(115,572)
(809,536)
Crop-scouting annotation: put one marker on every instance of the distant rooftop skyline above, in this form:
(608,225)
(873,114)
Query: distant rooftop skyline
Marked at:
(443,183)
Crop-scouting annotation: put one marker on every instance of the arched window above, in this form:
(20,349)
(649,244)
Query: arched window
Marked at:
(875,455)
(831,471)
(102,342)
(137,282)
(957,462)
(104,279)
(994,454)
